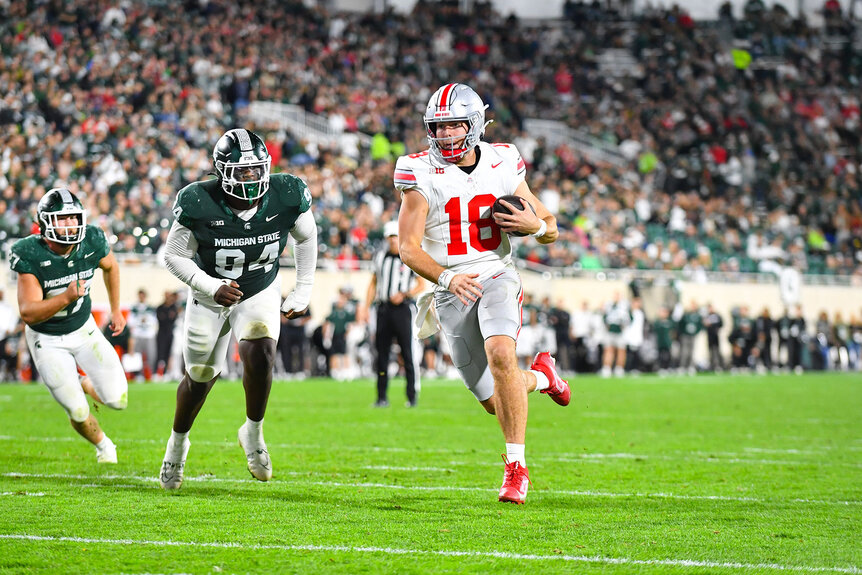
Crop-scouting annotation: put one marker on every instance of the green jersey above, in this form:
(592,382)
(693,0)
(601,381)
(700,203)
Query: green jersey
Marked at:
(691,323)
(31,255)
(232,248)
(340,317)
(664,332)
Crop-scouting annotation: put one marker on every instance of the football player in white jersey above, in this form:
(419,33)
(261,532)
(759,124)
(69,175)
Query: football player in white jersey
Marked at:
(448,236)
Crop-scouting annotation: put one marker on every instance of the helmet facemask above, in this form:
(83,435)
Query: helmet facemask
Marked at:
(247,179)
(50,226)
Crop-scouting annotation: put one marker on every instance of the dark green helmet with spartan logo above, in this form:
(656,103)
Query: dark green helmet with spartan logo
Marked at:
(242,163)
(53,213)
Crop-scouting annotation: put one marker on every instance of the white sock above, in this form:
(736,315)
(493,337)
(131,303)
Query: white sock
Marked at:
(106,441)
(177,439)
(515,452)
(253,428)
(541,380)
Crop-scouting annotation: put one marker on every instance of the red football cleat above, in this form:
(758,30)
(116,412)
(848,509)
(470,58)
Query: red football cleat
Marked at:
(558,388)
(516,479)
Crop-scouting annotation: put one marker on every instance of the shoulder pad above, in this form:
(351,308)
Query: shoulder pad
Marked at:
(407,167)
(291,190)
(24,256)
(189,201)
(510,153)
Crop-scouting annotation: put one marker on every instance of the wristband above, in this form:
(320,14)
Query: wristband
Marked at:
(543,228)
(445,278)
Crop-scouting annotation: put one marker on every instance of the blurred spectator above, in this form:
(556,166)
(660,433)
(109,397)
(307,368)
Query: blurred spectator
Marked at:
(293,345)
(560,321)
(797,341)
(634,336)
(166,316)
(338,321)
(616,319)
(713,323)
(664,329)
(764,327)
(143,323)
(690,325)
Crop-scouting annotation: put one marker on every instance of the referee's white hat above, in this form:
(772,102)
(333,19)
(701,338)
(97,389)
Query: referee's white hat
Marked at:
(390,229)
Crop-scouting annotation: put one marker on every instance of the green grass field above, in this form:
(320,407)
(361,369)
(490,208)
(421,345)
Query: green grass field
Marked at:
(712,474)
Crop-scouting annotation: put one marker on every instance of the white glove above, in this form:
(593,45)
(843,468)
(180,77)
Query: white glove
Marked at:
(297,300)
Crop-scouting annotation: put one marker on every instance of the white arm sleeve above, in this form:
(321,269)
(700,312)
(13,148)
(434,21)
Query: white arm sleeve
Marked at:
(180,248)
(305,253)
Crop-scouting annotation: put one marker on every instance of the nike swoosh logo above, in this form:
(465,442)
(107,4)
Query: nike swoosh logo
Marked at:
(272,217)
(91,332)
(89,254)
(495,165)
(498,275)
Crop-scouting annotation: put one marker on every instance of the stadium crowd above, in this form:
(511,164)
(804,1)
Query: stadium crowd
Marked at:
(740,136)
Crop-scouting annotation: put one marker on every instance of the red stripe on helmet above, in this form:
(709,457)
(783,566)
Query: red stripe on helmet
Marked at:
(444,97)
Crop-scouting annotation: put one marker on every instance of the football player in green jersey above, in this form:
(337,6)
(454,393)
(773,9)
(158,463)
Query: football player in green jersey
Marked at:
(55,270)
(225,243)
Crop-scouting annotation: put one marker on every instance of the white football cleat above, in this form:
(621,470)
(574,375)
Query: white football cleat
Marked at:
(259,464)
(171,474)
(108,454)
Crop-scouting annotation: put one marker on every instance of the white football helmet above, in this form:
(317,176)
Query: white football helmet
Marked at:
(451,103)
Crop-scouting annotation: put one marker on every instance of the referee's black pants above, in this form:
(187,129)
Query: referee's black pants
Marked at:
(395,321)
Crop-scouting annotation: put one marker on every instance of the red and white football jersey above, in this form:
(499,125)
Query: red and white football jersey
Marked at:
(460,233)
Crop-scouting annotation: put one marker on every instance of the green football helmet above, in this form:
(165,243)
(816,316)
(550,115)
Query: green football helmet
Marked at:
(242,163)
(60,203)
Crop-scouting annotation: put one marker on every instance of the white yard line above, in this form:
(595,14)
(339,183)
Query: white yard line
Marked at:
(470,554)
(709,457)
(348,484)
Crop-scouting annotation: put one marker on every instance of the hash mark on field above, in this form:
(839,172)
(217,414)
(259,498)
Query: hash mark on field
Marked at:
(211,479)
(392,468)
(27,493)
(475,554)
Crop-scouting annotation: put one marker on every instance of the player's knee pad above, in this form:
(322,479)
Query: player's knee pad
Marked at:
(199,373)
(255,330)
(121,403)
(79,413)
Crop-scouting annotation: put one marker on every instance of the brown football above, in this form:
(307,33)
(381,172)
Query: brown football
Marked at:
(516,201)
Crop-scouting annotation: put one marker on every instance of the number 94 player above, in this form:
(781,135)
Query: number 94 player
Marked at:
(225,243)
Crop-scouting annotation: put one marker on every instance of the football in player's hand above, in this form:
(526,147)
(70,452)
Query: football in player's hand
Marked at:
(516,201)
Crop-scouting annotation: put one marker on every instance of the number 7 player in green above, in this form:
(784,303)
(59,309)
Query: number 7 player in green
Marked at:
(55,269)
(224,244)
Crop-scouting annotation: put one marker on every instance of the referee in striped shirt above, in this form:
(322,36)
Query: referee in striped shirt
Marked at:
(392,291)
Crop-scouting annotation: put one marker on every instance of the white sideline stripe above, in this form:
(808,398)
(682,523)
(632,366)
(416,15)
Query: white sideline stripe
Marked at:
(27,493)
(479,554)
(211,479)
